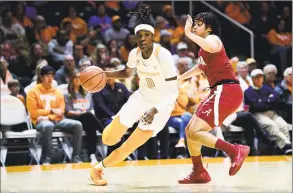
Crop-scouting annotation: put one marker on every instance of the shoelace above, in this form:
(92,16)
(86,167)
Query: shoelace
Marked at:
(98,173)
(194,171)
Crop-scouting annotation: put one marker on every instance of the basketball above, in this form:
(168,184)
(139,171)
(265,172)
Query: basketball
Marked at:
(93,79)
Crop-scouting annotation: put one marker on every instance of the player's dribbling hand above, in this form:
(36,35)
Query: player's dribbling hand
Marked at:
(188,25)
(148,117)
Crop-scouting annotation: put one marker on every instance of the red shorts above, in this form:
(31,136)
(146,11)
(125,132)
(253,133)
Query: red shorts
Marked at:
(223,100)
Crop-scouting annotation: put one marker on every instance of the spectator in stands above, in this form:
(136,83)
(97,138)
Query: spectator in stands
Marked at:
(46,107)
(286,15)
(270,73)
(178,32)
(100,56)
(19,15)
(182,52)
(60,47)
(79,106)
(238,11)
(252,64)
(281,41)
(37,76)
(243,77)
(67,26)
(284,89)
(170,16)
(5,74)
(14,86)
(84,63)
(79,26)
(37,54)
(160,25)
(116,32)
(63,75)
(101,19)
(9,31)
(113,49)
(109,101)
(263,102)
(78,53)
(127,46)
(165,41)
(40,31)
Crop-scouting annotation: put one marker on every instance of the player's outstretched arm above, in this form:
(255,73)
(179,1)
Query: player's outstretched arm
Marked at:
(211,43)
(120,74)
(190,73)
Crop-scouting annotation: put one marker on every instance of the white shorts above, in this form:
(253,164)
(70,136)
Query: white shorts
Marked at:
(135,108)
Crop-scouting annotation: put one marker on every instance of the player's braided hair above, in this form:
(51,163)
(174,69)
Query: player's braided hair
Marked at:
(143,14)
(210,20)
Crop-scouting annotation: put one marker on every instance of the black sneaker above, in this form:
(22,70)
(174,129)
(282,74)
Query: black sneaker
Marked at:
(76,159)
(46,161)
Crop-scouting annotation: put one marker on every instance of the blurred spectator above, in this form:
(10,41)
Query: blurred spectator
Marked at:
(84,63)
(160,25)
(78,53)
(79,106)
(170,16)
(178,32)
(165,41)
(5,74)
(63,75)
(14,86)
(243,77)
(284,89)
(238,11)
(60,47)
(270,73)
(286,15)
(19,15)
(37,54)
(113,49)
(116,32)
(281,41)
(127,46)
(100,56)
(182,53)
(10,31)
(40,31)
(79,26)
(67,26)
(263,102)
(234,61)
(252,64)
(46,107)
(101,19)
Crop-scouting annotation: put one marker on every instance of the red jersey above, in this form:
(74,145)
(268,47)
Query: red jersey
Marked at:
(216,66)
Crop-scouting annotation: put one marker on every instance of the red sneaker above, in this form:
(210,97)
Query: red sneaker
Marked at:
(198,175)
(238,159)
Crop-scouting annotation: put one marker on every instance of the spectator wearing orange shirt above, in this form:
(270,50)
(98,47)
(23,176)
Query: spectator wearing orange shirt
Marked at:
(281,42)
(127,46)
(238,11)
(79,26)
(46,107)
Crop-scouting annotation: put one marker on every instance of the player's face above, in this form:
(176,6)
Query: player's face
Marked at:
(144,39)
(199,28)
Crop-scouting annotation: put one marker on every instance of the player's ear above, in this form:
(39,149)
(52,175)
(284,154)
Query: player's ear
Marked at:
(209,29)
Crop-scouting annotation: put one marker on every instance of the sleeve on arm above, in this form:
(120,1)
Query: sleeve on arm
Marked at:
(167,64)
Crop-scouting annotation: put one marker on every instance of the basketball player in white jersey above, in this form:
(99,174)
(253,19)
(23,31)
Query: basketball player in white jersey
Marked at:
(151,104)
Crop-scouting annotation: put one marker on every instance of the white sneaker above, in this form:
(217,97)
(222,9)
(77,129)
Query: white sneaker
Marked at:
(93,159)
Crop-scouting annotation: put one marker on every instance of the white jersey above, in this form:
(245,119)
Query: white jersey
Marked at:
(153,72)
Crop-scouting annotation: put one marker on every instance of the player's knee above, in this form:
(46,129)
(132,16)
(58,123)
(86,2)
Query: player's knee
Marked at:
(192,134)
(108,139)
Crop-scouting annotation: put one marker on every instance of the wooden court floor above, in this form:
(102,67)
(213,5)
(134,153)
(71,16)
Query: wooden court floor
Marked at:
(258,174)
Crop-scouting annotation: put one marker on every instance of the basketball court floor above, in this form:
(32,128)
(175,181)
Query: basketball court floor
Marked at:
(258,174)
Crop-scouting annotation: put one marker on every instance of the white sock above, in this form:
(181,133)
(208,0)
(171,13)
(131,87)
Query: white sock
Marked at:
(100,165)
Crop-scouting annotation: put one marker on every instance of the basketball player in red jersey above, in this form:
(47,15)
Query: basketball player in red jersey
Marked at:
(224,99)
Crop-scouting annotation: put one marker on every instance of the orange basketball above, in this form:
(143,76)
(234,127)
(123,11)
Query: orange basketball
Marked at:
(93,79)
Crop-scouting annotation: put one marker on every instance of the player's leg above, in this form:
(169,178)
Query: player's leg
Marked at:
(136,139)
(113,132)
